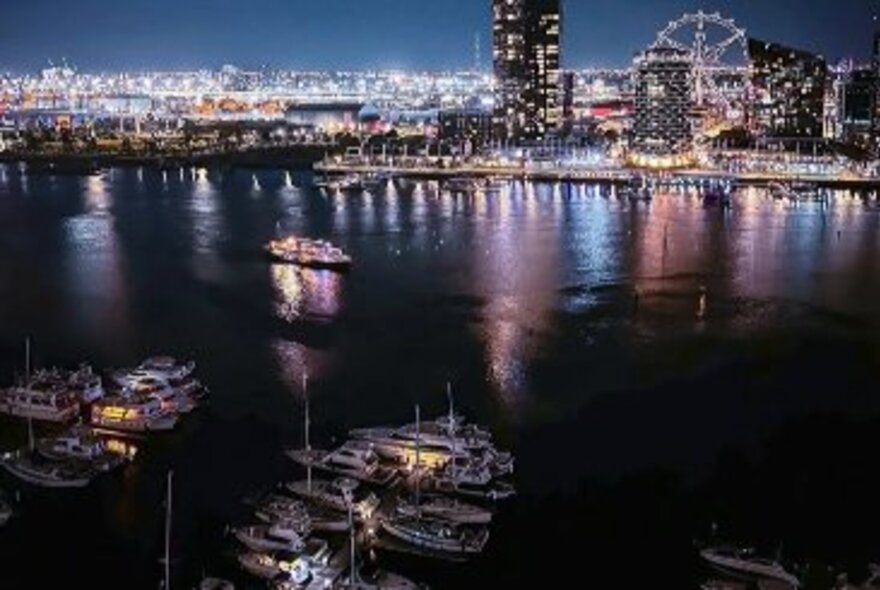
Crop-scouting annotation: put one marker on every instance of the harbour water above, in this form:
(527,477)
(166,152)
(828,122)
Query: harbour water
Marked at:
(659,369)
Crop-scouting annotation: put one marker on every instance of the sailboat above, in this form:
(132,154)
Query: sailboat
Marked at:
(328,493)
(436,535)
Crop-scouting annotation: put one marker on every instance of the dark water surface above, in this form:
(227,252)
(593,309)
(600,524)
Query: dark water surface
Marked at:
(567,320)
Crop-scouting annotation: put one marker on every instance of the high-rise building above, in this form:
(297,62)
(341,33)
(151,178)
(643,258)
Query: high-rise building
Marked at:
(789,91)
(662,133)
(858,108)
(527,63)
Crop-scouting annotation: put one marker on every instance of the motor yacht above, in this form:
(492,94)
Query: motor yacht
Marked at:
(742,563)
(86,385)
(436,535)
(282,508)
(282,536)
(40,399)
(333,495)
(440,507)
(354,459)
(80,444)
(315,552)
(46,474)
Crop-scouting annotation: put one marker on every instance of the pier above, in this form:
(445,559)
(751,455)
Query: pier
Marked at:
(544,172)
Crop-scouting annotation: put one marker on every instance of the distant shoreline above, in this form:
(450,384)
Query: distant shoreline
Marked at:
(293,157)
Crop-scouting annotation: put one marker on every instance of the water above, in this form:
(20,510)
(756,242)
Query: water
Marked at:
(569,321)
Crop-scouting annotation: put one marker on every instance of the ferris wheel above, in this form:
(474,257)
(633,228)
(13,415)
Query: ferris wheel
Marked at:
(713,43)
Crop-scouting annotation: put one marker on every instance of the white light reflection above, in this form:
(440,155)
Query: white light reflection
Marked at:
(302,293)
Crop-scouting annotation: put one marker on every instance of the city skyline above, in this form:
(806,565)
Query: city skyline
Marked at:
(383,34)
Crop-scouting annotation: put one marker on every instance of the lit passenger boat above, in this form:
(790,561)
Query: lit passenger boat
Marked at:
(172,400)
(274,509)
(308,253)
(127,415)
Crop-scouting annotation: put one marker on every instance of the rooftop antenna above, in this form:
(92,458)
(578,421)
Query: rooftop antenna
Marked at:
(478,53)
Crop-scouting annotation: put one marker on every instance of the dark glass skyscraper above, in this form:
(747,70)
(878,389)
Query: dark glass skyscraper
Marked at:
(662,133)
(789,91)
(527,60)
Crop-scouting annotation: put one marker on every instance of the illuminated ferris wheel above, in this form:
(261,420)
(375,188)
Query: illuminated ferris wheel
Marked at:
(714,43)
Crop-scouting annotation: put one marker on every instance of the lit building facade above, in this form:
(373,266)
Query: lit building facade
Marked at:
(527,63)
(662,131)
(789,91)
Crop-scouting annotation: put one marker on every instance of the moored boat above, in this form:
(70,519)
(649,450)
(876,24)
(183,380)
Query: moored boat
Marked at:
(147,415)
(440,507)
(80,444)
(276,537)
(333,495)
(354,459)
(436,535)
(46,474)
(744,564)
(42,400)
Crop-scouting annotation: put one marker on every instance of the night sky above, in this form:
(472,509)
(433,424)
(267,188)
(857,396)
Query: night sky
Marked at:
(172,34)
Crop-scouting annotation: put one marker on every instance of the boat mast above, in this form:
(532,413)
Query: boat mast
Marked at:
(418,459)
(451,428)
(167,585)
(27,377)
(308,445)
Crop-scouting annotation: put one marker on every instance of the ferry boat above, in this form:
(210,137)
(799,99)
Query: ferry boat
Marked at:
(441,507)
(743,564)
(268,538)
(354,459)
(46,474)
(40,399)
(436,535)
(127,415)
(332,494)
(308,253)
(80,444)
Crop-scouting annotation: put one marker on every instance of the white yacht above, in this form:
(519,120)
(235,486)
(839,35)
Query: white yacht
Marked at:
(40,399)
(276,537)
(332,494)
(742,563)
(80,444)
(169,367)
(46,474)
(437,506)
(354,459)
(436,535)
(132,415)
